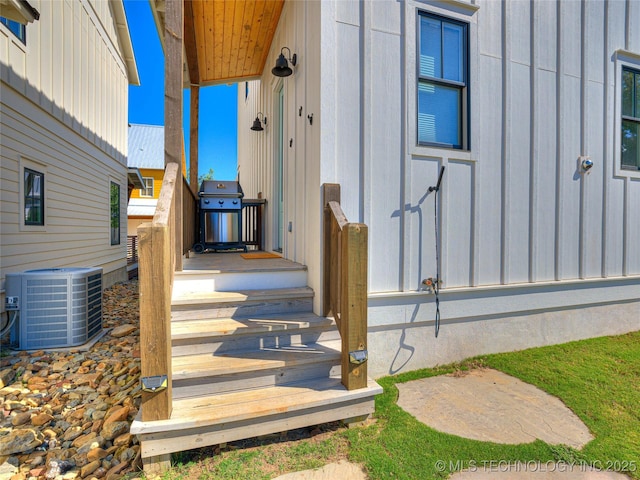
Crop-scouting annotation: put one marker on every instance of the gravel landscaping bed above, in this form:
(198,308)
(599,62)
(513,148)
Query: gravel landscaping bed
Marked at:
(66,413)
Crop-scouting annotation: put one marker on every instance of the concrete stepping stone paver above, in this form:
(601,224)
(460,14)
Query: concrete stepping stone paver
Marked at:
(490,406)
(341,470)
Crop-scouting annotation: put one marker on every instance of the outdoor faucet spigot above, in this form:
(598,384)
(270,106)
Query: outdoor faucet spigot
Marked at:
(430,284)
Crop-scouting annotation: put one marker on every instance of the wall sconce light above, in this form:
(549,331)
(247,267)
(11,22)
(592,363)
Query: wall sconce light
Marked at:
(257,124)
(282,68)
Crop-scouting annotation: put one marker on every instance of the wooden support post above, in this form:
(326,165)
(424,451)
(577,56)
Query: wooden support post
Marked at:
(330,193)
(173,147)
(354,303)
(155,316)
(156,466)
(193,139)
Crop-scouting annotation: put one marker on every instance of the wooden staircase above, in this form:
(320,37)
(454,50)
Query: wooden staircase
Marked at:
(249,362)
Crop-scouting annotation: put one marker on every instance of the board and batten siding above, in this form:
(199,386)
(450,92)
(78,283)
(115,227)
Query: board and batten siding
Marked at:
(299,30)
(64,113)
(514,208)
(533,252)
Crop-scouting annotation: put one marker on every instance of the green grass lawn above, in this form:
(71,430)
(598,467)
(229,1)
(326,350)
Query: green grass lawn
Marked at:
(598,379)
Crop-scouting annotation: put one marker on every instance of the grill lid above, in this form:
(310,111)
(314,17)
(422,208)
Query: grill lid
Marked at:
(222,188)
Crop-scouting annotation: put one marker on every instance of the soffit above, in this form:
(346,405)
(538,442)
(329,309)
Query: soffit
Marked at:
(225,40)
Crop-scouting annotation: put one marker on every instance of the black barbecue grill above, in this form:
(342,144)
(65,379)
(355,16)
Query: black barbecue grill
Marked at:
(220,210)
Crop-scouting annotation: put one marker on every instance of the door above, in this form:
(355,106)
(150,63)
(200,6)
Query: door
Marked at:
(278,173)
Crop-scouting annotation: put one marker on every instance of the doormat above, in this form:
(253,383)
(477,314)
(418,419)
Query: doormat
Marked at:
(255,255)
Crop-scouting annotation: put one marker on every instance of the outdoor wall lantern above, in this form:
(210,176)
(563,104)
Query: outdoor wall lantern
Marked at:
(282,68)
(257,124)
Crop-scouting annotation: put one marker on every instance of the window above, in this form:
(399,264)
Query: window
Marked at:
(147,191)
(443,82)
(33,197)
(630,124)
(115,214)
(16,28)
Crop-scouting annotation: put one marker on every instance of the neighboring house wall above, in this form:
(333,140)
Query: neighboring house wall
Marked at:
(147,203)
(64,114)
(533,251)
(146,153)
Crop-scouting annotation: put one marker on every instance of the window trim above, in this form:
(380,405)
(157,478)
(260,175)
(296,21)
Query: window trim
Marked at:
(112,240)
(629,60)
(628,118)
(23,29)
(143,190)
(26,222)
(455,10)
(26,163)
(462,87)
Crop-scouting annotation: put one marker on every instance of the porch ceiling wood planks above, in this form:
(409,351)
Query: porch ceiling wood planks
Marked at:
(226,40)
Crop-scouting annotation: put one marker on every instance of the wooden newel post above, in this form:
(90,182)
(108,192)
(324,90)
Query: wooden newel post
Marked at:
(354,303)
(155,317)
(330,193)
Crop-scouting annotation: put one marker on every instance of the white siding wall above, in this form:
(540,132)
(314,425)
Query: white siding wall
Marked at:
(514,207)
(64,113)
(533,252)
(300,31)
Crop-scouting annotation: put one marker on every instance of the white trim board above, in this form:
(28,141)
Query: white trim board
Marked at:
(497,301)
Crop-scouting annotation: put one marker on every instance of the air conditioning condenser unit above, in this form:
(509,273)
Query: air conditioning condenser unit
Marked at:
(57,307)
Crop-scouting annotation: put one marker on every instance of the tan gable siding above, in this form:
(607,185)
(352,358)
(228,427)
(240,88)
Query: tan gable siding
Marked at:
(80,76)
(77,181)
(64,113)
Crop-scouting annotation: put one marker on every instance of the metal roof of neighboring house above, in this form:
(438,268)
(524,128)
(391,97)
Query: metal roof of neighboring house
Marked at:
(142,207)
(146,146)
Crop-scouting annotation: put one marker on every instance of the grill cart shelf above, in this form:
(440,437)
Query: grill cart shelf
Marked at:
(220,210)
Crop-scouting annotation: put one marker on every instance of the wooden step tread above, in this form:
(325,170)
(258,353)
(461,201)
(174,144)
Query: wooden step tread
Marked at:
(258,268)
(242,296)
(258,324)
(208,364)
(253,404)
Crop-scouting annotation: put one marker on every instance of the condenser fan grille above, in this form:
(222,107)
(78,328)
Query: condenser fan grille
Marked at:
(58,307)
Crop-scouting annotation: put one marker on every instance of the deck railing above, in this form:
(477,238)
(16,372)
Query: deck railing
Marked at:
(132,249)
(252,212)
(157,264)
(189,217)
(345,285)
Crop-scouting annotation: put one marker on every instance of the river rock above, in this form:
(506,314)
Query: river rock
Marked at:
(115,471)
(7,376)
(94,443)
(82,439)
(41,419)
(96,454)
(89,468)
(20,441)
(72,433)
(114,429)
(7,470)
(122,440)
(60,400)
(123,330)
(118,414)
(20,418)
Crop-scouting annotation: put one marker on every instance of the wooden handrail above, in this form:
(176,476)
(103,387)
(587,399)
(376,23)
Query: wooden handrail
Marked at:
(345,258)
(156,267)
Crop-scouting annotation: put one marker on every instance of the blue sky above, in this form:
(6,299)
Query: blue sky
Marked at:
(218,110)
